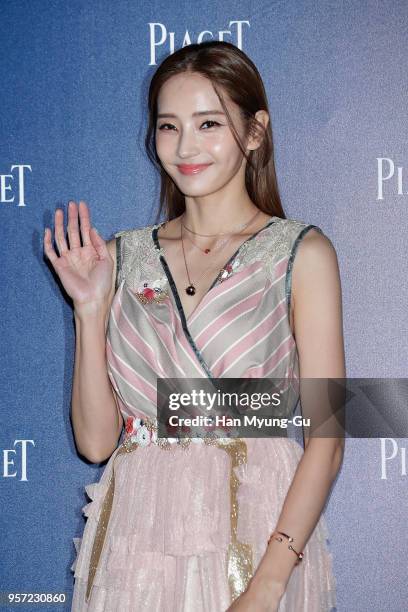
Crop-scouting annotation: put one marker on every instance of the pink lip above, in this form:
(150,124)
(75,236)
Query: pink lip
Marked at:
(192,168)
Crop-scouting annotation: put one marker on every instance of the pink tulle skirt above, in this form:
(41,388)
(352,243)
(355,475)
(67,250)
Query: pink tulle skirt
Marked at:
(165,543)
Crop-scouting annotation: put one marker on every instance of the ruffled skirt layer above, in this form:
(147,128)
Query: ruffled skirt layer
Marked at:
(166,542)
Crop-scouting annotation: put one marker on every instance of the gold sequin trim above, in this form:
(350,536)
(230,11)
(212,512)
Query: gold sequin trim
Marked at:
(239,559)
(126,447)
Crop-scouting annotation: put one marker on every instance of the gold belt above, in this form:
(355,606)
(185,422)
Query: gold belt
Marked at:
(239,555)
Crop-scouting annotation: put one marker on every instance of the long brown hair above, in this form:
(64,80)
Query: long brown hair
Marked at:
(231,71)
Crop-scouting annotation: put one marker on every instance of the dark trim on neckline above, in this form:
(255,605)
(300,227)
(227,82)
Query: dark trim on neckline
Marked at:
(235,255)
(118,243)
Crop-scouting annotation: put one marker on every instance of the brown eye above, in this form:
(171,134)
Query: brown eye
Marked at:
(164,125)
(211,121)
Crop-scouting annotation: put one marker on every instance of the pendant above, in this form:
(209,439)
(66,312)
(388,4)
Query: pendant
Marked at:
(190,290)
(206,251)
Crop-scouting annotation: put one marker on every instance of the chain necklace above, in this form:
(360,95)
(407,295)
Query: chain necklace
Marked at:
(236,229)
(207,250)
(190,289)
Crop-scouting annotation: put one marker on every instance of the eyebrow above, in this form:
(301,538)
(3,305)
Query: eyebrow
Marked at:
(197,114)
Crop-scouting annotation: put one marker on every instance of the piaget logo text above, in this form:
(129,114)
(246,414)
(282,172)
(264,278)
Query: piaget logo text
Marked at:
(12,186)
(15,460)
(390,177)
(160,37)
(393,458)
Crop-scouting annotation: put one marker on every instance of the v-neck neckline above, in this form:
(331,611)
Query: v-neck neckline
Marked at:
(186,320)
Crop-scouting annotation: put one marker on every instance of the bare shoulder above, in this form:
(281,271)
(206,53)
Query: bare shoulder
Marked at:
(316,265)
(315,249)
(317,313)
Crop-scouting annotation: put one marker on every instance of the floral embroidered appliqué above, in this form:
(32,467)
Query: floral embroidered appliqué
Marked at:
(139,432)
(228,270)
(152,291)
(143,432)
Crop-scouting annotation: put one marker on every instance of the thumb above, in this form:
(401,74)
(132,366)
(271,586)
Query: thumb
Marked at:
(98,243)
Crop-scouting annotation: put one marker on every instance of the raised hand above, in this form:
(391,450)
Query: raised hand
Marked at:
(85,271)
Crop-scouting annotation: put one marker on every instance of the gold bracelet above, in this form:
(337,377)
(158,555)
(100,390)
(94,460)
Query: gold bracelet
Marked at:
(276,535)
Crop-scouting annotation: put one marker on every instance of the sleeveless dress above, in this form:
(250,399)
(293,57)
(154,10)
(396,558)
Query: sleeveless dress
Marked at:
(181,525)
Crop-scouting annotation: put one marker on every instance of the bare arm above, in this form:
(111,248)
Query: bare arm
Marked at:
(96,419)
(87,270)
(316,298)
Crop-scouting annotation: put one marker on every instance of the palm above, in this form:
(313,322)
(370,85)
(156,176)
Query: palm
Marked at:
(84,270)
(84,276)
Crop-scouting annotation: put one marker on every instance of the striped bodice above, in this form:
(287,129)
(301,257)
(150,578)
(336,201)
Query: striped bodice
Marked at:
(239,329)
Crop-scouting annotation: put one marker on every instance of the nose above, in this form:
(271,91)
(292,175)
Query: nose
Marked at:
(187,144)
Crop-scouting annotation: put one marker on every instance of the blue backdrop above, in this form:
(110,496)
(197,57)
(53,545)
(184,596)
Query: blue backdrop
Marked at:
(74,78)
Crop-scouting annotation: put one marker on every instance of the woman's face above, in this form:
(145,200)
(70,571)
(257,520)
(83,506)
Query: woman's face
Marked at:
(196,147)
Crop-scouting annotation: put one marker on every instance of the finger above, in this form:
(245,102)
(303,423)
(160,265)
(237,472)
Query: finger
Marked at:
(73,227)
(48,248)
(85,223)
(59,231)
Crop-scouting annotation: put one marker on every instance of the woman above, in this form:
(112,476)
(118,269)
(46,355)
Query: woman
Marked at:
(215,291)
